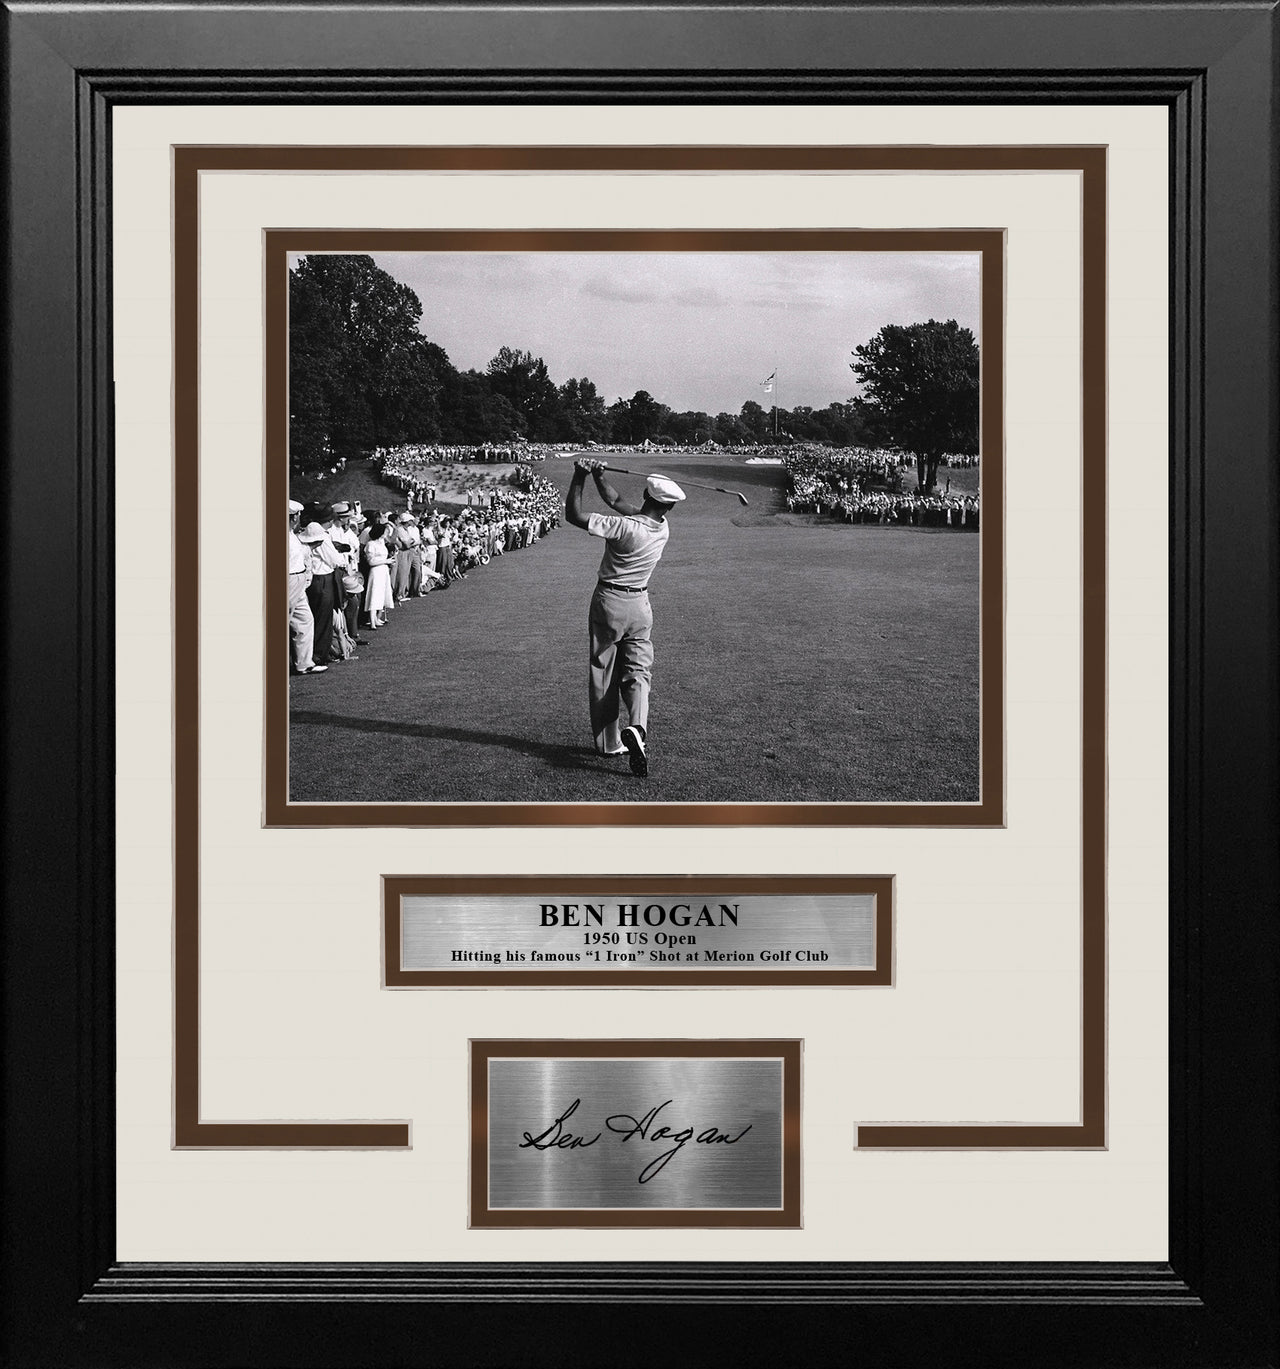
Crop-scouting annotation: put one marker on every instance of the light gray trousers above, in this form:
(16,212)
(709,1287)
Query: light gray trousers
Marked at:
(621,666)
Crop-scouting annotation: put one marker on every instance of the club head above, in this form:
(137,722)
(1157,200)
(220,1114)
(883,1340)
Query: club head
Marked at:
(743,497)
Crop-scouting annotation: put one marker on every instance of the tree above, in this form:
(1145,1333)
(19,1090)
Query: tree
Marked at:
(920,391)
(729,430)
(618,416)
(359,369)
(582,416)
(317,372)
(689,427)
(754,419)
(522,379)
(430,385)
(647,416)
(843,426)
(636,419)
(477,414)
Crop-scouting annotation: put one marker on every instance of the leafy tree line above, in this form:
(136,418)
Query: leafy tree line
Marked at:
(362,375)
(920,391)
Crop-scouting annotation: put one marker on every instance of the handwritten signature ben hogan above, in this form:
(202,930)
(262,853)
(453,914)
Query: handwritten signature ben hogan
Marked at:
(556,1137)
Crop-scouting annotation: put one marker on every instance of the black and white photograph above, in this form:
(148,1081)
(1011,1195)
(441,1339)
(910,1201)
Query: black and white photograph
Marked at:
(639,526)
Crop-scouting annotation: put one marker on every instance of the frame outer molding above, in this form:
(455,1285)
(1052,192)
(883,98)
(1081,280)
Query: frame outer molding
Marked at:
(1215,1303)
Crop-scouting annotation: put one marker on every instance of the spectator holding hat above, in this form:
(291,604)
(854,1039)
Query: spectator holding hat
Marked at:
(445,543)
(331,522)
(430,551)
(345,536)
(620,620)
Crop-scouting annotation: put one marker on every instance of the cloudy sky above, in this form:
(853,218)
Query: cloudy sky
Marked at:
(697,330)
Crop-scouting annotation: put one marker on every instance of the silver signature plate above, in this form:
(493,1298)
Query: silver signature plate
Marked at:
(692,1133)
(657,1133)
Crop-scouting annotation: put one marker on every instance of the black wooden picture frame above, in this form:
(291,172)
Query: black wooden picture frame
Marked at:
(67,1302)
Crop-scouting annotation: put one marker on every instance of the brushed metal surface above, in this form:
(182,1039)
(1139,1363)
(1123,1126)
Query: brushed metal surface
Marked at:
(624,1158)
(506,932)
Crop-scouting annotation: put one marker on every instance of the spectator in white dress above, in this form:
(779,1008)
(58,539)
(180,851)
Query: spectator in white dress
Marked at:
(378,598)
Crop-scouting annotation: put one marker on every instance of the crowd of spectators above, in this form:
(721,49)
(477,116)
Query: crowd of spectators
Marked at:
(864,485)
(349,568)
(419,467)
(904,510)
(418,470)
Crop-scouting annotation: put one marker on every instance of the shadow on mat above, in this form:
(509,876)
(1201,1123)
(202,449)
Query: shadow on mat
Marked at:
(554,754)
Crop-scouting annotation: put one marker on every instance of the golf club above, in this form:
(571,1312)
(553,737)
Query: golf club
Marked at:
(719,489)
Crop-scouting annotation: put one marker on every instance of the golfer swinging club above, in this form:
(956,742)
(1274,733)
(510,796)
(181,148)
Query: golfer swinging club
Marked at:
(620,621)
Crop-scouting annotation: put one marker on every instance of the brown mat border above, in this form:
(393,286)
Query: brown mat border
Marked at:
(1089,162)
(988,811)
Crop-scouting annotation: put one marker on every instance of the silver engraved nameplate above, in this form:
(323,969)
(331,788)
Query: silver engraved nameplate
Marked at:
(603,931)
(635,1133)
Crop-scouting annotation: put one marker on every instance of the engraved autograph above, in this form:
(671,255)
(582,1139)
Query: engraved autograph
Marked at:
(623,1124)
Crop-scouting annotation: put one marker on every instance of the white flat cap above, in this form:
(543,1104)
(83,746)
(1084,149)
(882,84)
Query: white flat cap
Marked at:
(664,490)
(294,506)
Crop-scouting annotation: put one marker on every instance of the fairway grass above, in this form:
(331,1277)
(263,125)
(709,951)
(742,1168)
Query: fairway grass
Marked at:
(797,660)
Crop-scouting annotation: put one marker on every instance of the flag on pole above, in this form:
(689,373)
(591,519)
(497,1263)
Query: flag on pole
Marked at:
(767,383)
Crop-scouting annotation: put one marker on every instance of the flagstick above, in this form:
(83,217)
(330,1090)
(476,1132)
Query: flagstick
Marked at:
(769,385)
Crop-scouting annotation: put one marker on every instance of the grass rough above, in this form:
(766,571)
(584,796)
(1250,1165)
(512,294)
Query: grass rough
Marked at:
(797,660)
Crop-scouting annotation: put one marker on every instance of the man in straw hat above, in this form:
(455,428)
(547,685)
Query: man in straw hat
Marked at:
(344,533)
(302,626)
(407,580)
(620,621)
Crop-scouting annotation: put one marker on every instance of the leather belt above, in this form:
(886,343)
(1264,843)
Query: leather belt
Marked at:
(622,589)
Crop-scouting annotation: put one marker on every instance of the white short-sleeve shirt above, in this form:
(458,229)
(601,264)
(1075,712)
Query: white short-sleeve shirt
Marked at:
(634,544)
